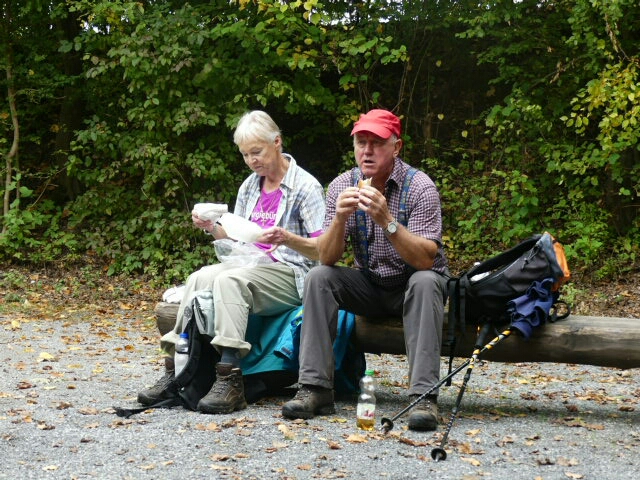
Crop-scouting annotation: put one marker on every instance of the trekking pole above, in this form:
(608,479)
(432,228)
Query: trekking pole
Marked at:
(387,423)
(439,453)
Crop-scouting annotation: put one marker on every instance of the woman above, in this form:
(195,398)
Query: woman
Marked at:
(288,204)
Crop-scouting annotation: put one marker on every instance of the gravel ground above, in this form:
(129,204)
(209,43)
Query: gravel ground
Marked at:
(61,378)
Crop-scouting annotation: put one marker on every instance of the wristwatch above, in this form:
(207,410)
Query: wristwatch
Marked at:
(392,228)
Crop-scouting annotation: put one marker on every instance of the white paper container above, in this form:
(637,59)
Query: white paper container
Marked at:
(240,228)
(210,211)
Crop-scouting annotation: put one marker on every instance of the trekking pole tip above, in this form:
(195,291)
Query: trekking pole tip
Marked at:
(438,454)
(387,424)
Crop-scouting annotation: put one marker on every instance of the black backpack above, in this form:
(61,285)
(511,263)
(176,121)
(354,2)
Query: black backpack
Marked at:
(485,293)
(199,373)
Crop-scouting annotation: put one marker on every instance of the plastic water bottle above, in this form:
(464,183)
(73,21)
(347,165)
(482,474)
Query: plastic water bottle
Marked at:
(182,352)
(366,410)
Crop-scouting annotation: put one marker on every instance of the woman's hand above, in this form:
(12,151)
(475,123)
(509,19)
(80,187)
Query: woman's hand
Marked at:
(274,236)
(203,224)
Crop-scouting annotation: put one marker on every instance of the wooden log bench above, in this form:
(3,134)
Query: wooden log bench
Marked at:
(584,340)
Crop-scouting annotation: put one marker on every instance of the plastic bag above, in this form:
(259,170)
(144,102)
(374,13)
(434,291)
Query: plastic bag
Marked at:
(240,254)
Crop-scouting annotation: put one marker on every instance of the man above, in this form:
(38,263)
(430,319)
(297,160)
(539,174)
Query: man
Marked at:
(400,269)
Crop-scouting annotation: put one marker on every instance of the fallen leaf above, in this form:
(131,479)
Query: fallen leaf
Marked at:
(217,457)
(573,475)
(210,427)
(414,443)
(288,434)
(567,462)
(338,420)
(46,357)
(468,449)
(88,411)
(472,461)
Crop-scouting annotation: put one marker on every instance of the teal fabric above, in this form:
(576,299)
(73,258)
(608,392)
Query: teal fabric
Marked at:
(263,333)
(275,343)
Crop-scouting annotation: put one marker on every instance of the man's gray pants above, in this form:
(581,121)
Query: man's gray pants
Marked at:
(420,303)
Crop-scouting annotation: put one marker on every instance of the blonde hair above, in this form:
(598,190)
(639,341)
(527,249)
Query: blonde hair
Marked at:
(256,126)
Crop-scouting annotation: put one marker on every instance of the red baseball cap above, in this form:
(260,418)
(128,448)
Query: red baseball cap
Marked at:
(379,122)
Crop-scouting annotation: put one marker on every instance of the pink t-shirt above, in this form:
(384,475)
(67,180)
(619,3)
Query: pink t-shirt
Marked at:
(264,214)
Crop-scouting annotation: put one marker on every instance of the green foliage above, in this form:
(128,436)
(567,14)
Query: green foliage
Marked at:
(566,142)
(524,113)
(164,143)
(36,235)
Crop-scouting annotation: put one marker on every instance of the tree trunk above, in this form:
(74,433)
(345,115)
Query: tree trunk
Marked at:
(11,161)
(71,108)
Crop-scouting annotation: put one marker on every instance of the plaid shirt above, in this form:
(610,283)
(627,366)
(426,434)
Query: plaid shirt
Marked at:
(300,211)
(386,267)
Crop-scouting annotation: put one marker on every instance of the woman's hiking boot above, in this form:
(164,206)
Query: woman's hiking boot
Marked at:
(159,391)
(227,393)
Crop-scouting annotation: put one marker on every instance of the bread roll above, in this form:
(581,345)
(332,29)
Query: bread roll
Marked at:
(364,182)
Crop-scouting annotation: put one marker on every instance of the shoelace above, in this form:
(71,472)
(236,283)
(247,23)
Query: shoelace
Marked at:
(164,381)
(222,384)
(303,393)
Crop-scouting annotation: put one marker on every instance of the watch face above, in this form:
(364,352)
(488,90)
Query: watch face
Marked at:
(392,227)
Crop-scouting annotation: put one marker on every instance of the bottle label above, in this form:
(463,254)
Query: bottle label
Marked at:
(366,410)
(180,361)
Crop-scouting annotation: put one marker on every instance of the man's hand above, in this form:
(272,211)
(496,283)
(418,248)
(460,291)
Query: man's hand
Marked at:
(347,203)
(374,204)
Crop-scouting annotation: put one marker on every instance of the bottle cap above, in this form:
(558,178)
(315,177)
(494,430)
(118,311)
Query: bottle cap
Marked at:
(184,335)
(369,372)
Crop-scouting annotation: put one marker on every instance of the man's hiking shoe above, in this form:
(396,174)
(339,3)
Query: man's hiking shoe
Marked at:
(158,391)
(424,416)
(308,402)
(227,393)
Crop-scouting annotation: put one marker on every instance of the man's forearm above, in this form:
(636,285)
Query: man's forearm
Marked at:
(331,243)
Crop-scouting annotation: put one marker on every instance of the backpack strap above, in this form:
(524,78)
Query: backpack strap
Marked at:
(402,211)
(168,403)
(453,299)
(503,258)
(361,227)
